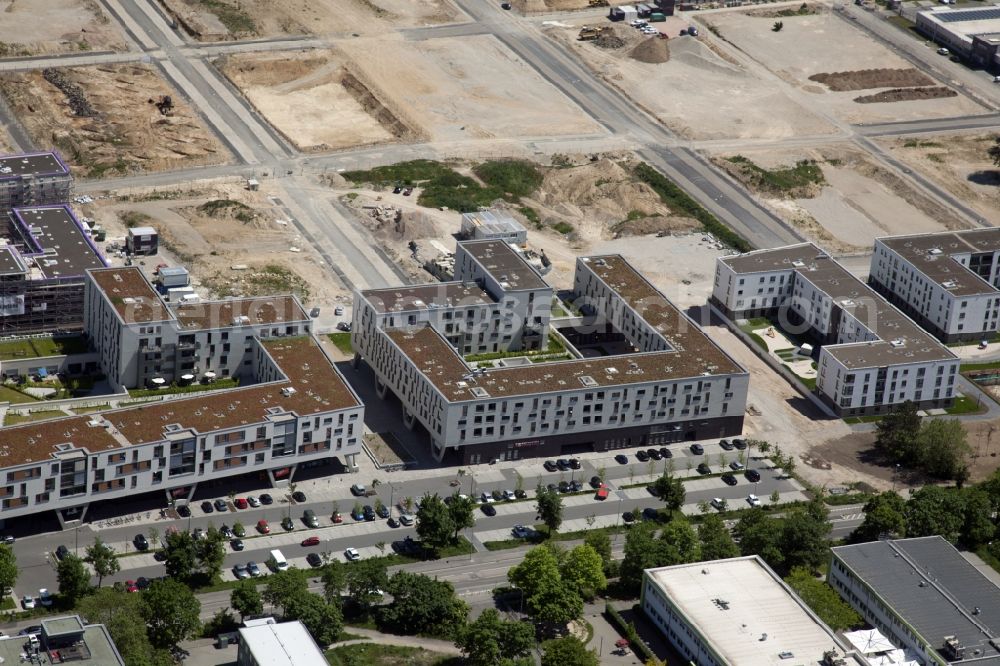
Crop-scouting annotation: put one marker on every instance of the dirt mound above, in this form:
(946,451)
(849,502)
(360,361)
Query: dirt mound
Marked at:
(375,107)
(690,51)
(907,95)
(655,224)
(609,39)
(872,78)
(653,50)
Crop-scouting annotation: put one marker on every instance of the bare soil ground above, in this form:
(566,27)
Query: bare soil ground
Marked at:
(249,233)
(535,6)
(697,93)
(30,27)
(872,78)
(809,45)
(861,200)
(213,20)
(314,99)
(907,95)
(456,89)
(127,135)
(959,164)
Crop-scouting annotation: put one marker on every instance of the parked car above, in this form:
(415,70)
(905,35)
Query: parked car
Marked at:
(621,459)
(407,520)
(726,445)
(198,534)
(337,518)
(339,310)
(562,464)
(666,453)
(239,530)
(263,527)
(943,51)
(253,569)
(628,518)
(595,482)
(130,586)
(33,630)
(358,490)
(241,503)
(309,518)
(697,449)
(488,509)
(550,466)
(649,513)
(563,486)
(753,500)
(140,542)
(357,513)
(206,507)
(28,602)
(221,506)
(393,523)
(382,510)
(406,546)
(45,597)
(753,476)
(654,454)
(311,541)
(574,463)
(642,456)
(575,486)
(61,552)
(184,511)
(241,571)
(352,554)
(7,539)
(314,560)
(369,512)
(143,583)
(266,499)
(486,497)
(729,479)
(237,544)
(719,503)
(253,501)
(703,468)
(287,524)
(521,532)
(740,443)
(299,496)
(227,532)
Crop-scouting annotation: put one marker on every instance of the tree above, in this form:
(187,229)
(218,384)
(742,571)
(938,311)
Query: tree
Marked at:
(422,605)
(582,569)
(944,451)
(977,524)
(539,568)
(897,433)
(285,586)
(994,152)
(716,543)
(364,580)
(778,25)
(171,612)
(121,613)
(491,640)
(324,621)
(181,555)
(678,543)
(601,543)
(334,579)
(211,553)
(102,558)
(883,515)
(804,535)
(760,534)
(548,503)
(642,551)
(823,600)
(670,491)
(434,523)
(934,510)
(554,605)
(461,512)
(245,599)
(568,651)
(154,537)
(74,579)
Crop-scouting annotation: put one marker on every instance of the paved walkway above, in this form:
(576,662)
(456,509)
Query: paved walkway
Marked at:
(432,644)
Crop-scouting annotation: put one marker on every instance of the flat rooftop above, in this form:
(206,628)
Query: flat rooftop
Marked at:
(318,388)
(735,603)
(966,21)
(60,246)
(933,255)
(284,644)
(901,340)
(135,301)
(11,262)
(505,264)
(931,586)
(420,297)
(492,222)
(232,312)
(31,164)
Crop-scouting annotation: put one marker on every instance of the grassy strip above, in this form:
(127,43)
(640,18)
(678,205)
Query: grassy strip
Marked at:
(965,405)
(342,341)
(680,203)
(554,347)
(991,365)
(373,653)
(42,347)
(906,25)
(42,415)
(784,181)
(235,20)
(217,385)
(15,397)
(847,498)
(871,418)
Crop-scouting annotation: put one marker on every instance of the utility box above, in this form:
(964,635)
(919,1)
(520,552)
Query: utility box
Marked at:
(253,184)
(142,240)
(174,276)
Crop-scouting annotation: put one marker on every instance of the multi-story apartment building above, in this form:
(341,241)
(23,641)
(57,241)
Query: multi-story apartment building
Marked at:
(33,179)
(669,383)
(872,356)
(143,341)
(44,255)
(301,410)
(946,281)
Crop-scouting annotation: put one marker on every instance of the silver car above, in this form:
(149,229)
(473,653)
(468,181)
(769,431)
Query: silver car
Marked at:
(241,571)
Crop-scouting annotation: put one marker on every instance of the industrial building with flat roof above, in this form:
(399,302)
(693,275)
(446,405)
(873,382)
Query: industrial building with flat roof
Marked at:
(972,33)
(33,179)
(924,595)
(62,640)
(948,282)
(265,642)
(872,356)
(737,612)
(493,225)
(640,372)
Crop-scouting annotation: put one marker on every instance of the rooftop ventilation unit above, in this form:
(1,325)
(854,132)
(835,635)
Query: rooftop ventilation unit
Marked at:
(479,392)
(934,251)
(949,284)
(897,343)
(798,263)
(587,381)
(288,391)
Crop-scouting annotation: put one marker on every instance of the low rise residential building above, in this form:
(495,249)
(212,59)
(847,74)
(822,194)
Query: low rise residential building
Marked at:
(737,612)
(650,375)
(872,356)
(922,594)
(264,642)
(946,281)
(143,341)
(33,179)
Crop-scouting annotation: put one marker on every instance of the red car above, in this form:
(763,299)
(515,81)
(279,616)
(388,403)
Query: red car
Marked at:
(263,527)
(602,492)
(311,541)
(241,503)
(337,518)
(130,586)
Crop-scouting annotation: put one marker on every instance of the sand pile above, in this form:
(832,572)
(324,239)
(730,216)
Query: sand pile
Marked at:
(653,50)
(609,39)
(690,51)
(872,78)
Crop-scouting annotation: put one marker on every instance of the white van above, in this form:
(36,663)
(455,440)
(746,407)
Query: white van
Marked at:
(277,561)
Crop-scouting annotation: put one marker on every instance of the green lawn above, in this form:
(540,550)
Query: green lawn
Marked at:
(7,394)
(965,367)
(965,405)
(343,342)
(218,384)
(871,418)
(40,347)
(371,654)
(42,415)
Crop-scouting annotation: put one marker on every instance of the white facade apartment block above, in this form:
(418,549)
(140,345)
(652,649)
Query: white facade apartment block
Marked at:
(947,281)
(872,356)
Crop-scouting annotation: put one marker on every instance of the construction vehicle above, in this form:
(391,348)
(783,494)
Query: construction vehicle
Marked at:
(588,33)
(597,3)
(165,105)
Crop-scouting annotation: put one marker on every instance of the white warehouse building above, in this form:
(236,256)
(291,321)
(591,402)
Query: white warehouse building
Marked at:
(640,372)
(946,281)
(872,356)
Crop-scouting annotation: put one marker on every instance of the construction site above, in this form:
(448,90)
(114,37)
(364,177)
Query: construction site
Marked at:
(110,120)
(30,27)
